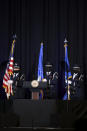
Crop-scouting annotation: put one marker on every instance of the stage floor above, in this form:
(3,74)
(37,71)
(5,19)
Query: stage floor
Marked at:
(45,114)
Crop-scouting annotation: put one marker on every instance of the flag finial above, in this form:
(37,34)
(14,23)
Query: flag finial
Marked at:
(15,37)
(41,42)
(65,41)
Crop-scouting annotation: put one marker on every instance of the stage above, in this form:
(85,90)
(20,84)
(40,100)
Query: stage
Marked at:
(42,114)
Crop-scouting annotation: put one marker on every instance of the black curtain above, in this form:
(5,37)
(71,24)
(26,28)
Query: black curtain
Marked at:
(50,21)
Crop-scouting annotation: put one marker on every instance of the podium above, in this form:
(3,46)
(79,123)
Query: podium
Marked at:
(35,88)
(35,95)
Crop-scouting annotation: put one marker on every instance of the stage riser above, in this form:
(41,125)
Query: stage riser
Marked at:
(42,113)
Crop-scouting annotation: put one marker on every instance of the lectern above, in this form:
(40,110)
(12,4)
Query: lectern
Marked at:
(35,87)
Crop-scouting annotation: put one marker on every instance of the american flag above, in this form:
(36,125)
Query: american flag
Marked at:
(7,82)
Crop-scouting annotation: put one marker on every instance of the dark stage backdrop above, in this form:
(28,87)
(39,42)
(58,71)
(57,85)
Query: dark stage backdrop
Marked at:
(50,21)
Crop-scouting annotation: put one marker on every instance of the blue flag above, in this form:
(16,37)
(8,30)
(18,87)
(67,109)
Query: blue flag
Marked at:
(40,69)
(67,65)
(68,74)
(40,64)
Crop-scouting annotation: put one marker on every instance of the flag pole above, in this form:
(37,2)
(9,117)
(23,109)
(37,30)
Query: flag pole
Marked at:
(41,91)
(68,86)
